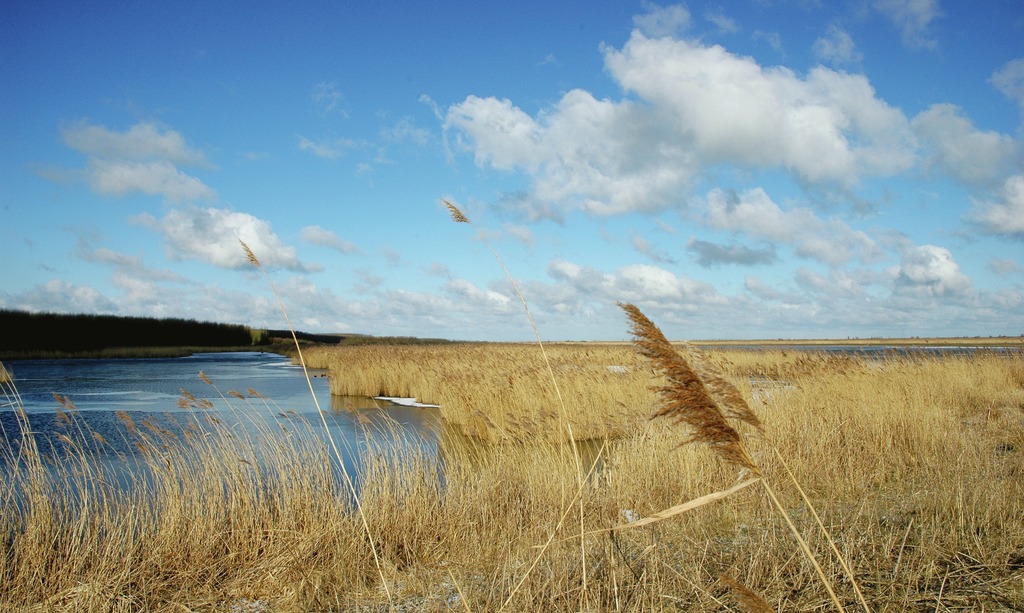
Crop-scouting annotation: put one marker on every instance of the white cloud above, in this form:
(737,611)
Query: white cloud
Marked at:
(837,284)
(662,20)
(144,159)
(829,126)
(913,18)
(211,235)
(955,146)
(596,155)
(931,271)
(1010,81)
(325,238)
(836,47)
(467,293)
(1006,214)
(158,178)
(143,141)
(753,213)
(700,106)
(642,284)
(59,296)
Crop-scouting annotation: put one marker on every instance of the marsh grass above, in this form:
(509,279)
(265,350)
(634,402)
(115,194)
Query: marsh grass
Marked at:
(914,465)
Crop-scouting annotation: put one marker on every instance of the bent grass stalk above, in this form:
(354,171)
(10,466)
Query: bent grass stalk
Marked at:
(459,217)
(688,398)
(251,257)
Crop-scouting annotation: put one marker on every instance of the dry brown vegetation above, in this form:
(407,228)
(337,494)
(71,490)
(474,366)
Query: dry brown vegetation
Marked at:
(915,464)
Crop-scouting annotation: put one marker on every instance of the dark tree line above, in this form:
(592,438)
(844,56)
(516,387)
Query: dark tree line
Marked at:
(24,331)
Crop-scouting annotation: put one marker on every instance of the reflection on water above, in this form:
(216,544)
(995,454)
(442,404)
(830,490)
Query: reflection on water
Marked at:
(118,411)
(115,408)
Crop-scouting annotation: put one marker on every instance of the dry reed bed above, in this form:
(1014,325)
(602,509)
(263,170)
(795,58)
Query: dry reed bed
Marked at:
(501,392)
(915,465)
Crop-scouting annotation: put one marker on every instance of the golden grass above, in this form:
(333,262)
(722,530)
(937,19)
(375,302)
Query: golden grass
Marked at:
(502,392)
(916,466)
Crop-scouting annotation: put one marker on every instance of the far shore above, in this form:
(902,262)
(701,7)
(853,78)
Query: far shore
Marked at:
(958,341)
(288,348)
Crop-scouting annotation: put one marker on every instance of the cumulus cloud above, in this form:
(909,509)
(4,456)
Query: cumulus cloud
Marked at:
(1005,215)
(954,146)
(143,159)
(828,126)
(836,47)
(698,106)
(642,284)
(315,235)
(931,271)
(710,254)
(913,18)
(754,214)
(211,235)
(596,155)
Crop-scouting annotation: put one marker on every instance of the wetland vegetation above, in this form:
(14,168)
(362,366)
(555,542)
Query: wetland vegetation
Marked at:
(914,464)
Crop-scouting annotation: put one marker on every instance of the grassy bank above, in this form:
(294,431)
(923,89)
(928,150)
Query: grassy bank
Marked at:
(915,464)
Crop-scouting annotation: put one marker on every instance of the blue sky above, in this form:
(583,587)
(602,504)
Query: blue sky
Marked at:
(751,169)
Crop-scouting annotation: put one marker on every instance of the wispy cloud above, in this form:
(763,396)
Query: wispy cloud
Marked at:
(913,18)
(328,99)
(315,235)
(143,159)
(326,149)
(724,23)
(710,254)
(1010,81)
(662,20)
(837,48)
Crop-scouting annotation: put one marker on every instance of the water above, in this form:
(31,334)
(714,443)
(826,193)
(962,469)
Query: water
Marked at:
(167,394)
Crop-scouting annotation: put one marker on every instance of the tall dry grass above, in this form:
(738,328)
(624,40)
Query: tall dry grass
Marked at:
(915,465)
(500,392)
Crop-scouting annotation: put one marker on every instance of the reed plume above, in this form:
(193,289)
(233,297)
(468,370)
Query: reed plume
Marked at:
(685,397)
(703,403)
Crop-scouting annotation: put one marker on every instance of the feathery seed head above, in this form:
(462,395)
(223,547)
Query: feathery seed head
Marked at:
(249,255)
(457,215)
(684,397)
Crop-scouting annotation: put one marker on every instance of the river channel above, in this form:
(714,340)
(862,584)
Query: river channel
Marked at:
(246,390)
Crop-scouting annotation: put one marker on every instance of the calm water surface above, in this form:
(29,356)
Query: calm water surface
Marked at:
(151,389)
